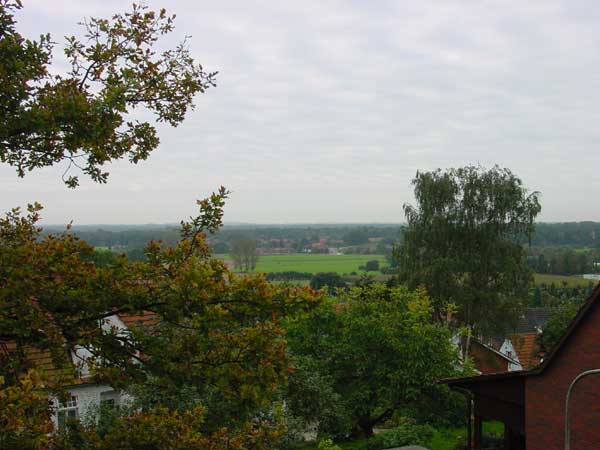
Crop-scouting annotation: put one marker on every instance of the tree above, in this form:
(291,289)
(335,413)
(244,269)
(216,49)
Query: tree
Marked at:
(464,243)
(330,280)
(85,117)
(356,236)
(368,353)
(558,322)
(537,300)
(24,415)
(102,257)
(244,253)
(215,335)
(372,266)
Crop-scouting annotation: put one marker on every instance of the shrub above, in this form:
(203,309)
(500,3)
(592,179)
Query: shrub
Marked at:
(372,266)
(407,433)
(330,279)
(289,275)
(375,443)
(327,444)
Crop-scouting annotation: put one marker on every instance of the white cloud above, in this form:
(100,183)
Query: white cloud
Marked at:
(326,109)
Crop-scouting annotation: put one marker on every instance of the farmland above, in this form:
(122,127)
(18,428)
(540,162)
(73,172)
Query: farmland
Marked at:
(560,280)
(313,263)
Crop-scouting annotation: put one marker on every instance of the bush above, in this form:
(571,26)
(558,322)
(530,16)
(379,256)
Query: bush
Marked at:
(439,407)
(372,266)
(327,444)
(288,276)
(375,443)
(330,279)
(407,433)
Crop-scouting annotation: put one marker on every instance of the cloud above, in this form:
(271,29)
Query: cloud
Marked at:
(326,109)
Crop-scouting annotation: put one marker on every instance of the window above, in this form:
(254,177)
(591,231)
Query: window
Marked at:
(109,398)
(67,411)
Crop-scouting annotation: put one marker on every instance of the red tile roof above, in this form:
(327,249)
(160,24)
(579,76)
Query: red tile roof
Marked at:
(144,319)
(525,345)
(42,361)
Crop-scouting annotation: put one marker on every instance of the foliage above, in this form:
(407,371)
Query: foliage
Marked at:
(86,116)
(441,407)
(164,429)
(331,280)
(24,415)
(356,236)
(371,266)
(101,257)
(407,433)
(289,275)
(364,355)
(560,319)
(563,260)
(327,444)
(213,334)
(244,254)
(463,242)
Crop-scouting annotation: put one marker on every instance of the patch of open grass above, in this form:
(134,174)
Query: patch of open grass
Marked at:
(449,438)
(314,263)
(559,280)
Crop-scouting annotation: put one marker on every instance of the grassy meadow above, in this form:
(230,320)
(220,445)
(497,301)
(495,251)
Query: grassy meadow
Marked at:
(313,263)
(559,280)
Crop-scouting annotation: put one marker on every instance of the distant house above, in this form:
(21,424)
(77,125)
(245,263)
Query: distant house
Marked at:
(517,350)
(521,344)
(489,360)
(84,395)
(531,403)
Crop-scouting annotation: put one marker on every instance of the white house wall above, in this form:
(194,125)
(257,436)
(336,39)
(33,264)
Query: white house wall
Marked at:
(508,349)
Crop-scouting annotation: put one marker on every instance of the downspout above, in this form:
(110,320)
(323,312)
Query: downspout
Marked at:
(470,411)
(567,401)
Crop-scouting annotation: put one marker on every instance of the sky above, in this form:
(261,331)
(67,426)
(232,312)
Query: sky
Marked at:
(325,110)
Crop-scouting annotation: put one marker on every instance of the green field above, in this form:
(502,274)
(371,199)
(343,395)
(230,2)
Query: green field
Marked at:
(303,262)
(558,280)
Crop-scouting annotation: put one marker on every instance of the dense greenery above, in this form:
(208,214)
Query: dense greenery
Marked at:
(363,356)
(330,280)
(214,335)
(86,116)
(289,275)
(564,260)
(561,318)
(463,242)
(573,234)
(244,254)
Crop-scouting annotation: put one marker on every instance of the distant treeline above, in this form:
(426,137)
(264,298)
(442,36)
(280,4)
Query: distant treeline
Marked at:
(574,234)
(133,236)
(564,260)
(295,237)
(553,245)
(289,275)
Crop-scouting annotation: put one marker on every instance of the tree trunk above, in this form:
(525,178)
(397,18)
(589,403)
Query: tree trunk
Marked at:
(366,426)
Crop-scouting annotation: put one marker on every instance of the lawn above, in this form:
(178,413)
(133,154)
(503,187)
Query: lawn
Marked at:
(558,280)
(442,439)
(306,262)
(448,438)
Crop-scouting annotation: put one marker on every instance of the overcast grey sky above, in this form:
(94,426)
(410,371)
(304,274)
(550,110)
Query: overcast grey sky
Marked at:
(325,110)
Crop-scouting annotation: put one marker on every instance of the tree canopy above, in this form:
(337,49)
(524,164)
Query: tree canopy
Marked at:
(464,242)
(212,333)
(244,253)
(362,356)
(561,317)
(85,117)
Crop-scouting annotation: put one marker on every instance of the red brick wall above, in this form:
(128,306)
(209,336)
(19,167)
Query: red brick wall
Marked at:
(545,394)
